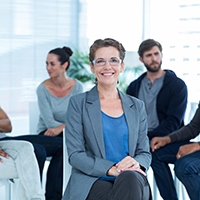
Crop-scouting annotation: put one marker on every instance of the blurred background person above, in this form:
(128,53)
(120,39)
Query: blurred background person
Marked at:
(165,98)
(185,155)
(17,160)
(54,93)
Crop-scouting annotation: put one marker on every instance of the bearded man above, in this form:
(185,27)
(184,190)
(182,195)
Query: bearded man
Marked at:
(165,98)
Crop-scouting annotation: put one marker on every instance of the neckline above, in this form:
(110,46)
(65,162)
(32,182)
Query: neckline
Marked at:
(111,116)
(59,97)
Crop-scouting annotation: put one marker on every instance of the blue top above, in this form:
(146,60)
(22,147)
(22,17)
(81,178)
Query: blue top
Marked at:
(115,132)
(171,103)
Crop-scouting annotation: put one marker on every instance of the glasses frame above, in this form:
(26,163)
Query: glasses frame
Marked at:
(104,62)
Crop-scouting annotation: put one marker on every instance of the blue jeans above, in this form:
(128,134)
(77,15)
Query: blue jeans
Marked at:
(187,170)
(162,173)
(45,146)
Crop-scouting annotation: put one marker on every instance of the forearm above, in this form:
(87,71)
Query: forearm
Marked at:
(167,139)
(198,146)
(164,129)
(5,126)
(187,132)
(60,128)
(90,165)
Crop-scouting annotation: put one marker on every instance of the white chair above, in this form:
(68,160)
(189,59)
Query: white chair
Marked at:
(33,121)
(9,189)
(5,189)
(180,189)
(34,113)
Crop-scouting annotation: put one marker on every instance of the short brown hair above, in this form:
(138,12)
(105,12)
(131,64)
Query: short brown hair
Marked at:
(147,45)
(106,43)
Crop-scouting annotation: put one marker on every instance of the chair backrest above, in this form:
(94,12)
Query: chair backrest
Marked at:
(34,113)
(66,166)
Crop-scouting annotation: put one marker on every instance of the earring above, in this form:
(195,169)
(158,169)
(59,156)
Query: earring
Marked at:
(95,81)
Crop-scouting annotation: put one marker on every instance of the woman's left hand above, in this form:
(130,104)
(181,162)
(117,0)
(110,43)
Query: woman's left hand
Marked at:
(52,132)
(128,163)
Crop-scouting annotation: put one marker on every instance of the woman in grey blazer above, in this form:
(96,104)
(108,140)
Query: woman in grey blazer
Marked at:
(106,135)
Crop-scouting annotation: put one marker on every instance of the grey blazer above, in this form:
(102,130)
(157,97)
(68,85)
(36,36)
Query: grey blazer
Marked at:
(85,143)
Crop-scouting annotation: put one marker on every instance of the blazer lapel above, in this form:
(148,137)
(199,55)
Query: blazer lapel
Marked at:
(94,112)
(129,109)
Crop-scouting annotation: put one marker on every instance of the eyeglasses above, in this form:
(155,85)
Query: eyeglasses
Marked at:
(102,62)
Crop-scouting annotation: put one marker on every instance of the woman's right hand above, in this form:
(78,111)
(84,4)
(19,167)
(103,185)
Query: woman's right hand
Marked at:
(4,154)
(113,171)
(158,142)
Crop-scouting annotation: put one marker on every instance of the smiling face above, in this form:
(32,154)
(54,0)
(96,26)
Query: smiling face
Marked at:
(107,74)
(53,66)
(152,59)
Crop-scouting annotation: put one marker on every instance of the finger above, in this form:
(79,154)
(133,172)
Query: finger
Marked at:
(121,168)
(133,164)
(124,164)
(178,155)
(46,133)
(138,170)
(141,171)
(157,146)
(153,145)
(1,160)
(121,163)
(4,154)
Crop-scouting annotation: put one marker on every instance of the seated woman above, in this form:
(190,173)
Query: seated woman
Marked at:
(55,92)
(106,134)
(185,155)
(53,96)
(17,160)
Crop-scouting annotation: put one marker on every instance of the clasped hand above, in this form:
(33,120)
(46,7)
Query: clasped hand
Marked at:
(128,163)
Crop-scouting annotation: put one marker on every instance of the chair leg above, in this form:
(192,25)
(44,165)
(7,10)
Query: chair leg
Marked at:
(5,189)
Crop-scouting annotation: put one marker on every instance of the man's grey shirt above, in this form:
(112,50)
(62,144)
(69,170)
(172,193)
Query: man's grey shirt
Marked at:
(148,94)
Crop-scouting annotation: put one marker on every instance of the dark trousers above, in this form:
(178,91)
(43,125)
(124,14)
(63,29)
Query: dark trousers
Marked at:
(46,146)
(163,176)
(129,185)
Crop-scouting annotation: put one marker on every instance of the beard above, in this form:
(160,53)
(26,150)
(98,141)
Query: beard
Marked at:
(153,69)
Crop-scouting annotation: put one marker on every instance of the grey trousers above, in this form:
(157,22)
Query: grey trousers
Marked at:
(22,164)
(129,185)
